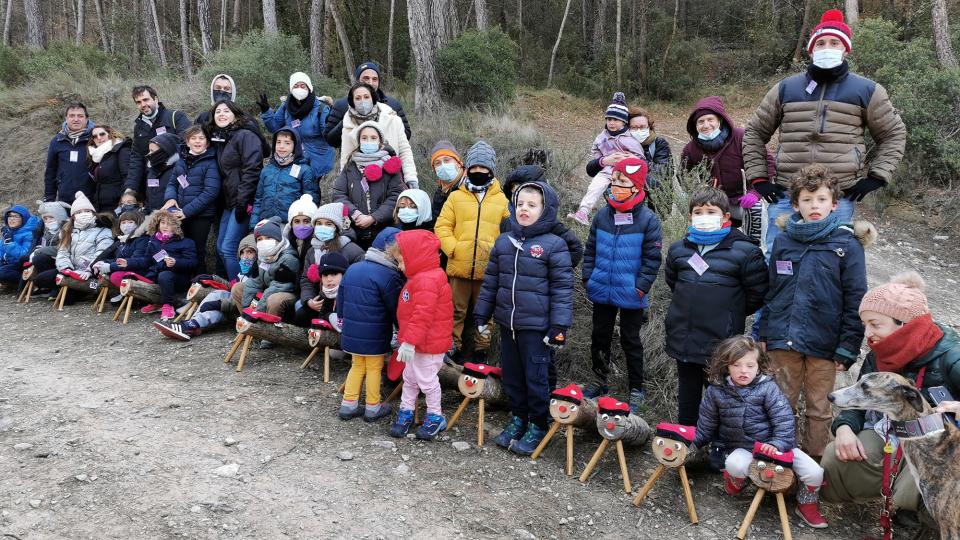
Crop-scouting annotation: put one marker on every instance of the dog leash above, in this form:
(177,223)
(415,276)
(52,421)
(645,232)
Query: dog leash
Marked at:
(891,467)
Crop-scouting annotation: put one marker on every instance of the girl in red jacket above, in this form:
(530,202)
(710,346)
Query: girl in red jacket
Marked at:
(425,315)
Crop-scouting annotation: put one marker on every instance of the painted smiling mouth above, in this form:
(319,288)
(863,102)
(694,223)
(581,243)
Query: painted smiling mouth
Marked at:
(608,434)
(670,460)
(567,417)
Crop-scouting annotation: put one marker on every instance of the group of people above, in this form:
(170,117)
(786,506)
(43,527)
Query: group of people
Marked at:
(391,268)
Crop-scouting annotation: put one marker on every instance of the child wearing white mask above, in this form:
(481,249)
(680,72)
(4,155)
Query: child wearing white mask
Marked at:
(413,211)
(130,240)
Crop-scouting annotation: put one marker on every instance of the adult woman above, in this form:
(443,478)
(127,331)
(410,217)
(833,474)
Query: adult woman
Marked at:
(656,149)
(240,160)
(306,114)
(108,155)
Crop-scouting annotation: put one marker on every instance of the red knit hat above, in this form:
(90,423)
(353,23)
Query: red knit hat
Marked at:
(676,432)
(831,24)
(779,458)
(571,393)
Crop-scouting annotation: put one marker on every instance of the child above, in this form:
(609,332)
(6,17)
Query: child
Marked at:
(467,228)
(743,406)
(614,143)
(366,312)
(425,315)
(162,156)
(324,278)
(43,257)
(284,179)
(620,265)
(535,173)
(810,323)
(448,166)
(278,268)
(131,240)
(718,277)
(528,289)
(299,229)
(413,211)
(168,259)
(18,235)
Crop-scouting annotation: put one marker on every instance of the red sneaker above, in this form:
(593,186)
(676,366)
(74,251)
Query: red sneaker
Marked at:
(811,515)
(167,313)
(149,308)
(733,485)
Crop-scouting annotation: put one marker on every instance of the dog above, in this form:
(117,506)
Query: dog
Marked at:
(933,458)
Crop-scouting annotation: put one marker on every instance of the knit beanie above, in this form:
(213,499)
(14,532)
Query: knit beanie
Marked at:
(57,209)
(301,77)
(304,206)
(831,24)
(365,66)
(332,263)
(483,155)
(445,148)
(271,228)
(385,238)
(902,298)
(335,212)
(81,202)
(618,108)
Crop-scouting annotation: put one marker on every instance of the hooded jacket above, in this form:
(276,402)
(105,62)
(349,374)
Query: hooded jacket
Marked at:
(367,303)
(392,129)
(17,243)
(310,130)
(424,219)
(528,283)
(279,276)
(425,308)
(130,247)
(279,187)
(154,187)
(195,184)
(144,131)
(109,176)
(534,173)
(737,416)
(333,130)
(240,161)
(204,117)
(183,250)
(66,171)
(85,247)
(468,226)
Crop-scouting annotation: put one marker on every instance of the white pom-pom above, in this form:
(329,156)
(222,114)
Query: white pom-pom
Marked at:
(910,279)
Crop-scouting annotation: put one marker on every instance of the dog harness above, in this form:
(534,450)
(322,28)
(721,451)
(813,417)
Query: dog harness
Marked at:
(891,466)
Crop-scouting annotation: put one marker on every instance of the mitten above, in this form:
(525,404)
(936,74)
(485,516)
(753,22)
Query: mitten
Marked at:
(769,191)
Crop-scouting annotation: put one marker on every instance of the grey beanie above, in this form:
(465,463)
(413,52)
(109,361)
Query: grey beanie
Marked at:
(334,212)
(482,154)
(271,228)
(57,209)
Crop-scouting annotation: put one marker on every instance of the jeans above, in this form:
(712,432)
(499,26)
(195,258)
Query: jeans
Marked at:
(631,320)
(11,273)
(845,210)
(172,284)
(228,240)
(526,360)
(208,313)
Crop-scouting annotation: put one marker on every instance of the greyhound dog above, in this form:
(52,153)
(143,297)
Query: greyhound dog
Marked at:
(934,457)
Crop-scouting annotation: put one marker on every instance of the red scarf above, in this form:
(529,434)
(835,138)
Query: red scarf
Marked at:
(911,341)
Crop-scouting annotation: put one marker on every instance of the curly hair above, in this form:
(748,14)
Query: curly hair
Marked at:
(729,351)
(812,178)
(153,222)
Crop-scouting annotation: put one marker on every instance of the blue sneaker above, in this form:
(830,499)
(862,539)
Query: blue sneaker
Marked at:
(512,432)
(402,424)
(350,410)
(595,390)
(637,398)
(530,441)
(432,424)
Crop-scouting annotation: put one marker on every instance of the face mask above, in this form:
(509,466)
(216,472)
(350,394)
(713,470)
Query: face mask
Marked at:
(299,93)
(245,265)
(222,95)
(447,172)
(827,58)
(330,292)
(128,227)
(408,215)
(369,147)
(158,159)
(709,136)
(302,231)
(363,107)
(620,193)
(163,236)
(51,226)
(266,246)
(324,233)
(480,178)
(84,220)
(707,223)
(640,134)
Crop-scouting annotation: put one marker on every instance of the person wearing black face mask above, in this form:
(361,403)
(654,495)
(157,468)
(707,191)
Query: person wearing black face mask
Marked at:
(161,155)
(223,88)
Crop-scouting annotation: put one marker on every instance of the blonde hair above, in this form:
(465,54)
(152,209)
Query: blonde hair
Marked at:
(729,351)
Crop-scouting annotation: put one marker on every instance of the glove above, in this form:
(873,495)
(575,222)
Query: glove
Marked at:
(749,199)
(102,267)
(483,331)
(263,103)
(405,352)
(555,338)
(241,215)
(862,188)
(84,275)
(209,306)
(413,184)
(769,191)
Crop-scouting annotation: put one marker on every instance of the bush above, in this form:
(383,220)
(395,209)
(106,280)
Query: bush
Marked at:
(11,68)
(78,61)
(478,68)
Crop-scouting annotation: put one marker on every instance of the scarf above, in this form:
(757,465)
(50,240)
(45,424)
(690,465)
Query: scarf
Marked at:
(620,131)
(708,238)
(827,76)
(222,134)
(358,118)
(300,109)
(805,232)
(266,258)
(911,341)
(376,158)
(150,118)
(626,205)
(283,161)
(97,152)
(715,144)
(653,137)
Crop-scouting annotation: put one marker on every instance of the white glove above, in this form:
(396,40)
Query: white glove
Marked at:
(405,352)
(102,267)
(85,275)
(484,331)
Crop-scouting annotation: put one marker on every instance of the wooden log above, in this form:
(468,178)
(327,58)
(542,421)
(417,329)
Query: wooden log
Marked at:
(770,476)
(582,415)
(630,429)
(489,388)
(141,290)
(283,334)
(66,282)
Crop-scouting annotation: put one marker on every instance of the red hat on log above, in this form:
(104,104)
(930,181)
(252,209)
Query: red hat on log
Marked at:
(609,405)
(676,432)
(780,458)
(571,393)
(481,371)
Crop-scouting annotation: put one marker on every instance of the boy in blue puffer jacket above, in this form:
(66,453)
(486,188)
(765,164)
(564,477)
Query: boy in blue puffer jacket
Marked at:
(285,177)
(620,265)
(19,235)
(528,289)
(192,193)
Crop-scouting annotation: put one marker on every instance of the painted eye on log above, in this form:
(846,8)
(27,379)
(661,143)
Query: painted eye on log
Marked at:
(761,465)
(659,442)
(778,469)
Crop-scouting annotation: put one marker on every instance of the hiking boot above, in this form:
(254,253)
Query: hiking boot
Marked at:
(432,425)
(180,332)
(376,412)
(350,410)
(808,500)
(733,485)
(402,424)
(595,390)
(580,216)
(530,441)
(149,309)
(637,398)
(514,430)
(167,313)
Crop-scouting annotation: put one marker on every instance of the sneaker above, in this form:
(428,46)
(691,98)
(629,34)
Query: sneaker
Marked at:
(512,432)
(811,515)
(116,299)
(350,410)
(180,332)
(637,398)
(530,441)
(376,412)
(580,216)
(149,309)
(733,485)
(402,424)
(167,313)
(432,424)
(595,390)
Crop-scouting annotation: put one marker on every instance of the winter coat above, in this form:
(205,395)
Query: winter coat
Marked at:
(319,154)
(710,307)
(815,291)
(826,125)
(66,171)
(183,250)
(109,176)
(350,251)
(85,248)
(606,144)
(392,128)
(737,416)
(726,164)
(333,131)
(378,201)
(154,188)
(280,276)
(198,198)
(367,305)
(528,283)
(132,247)
(467,228)
(279,187)
(17,243)
(942,369)
(240,162)
(166,121)
(660,160)
(440,197)
(425,308)
(620,259)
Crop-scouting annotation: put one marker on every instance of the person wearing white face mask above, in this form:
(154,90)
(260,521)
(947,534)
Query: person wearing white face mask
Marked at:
(303,112)
(822,116)
(656,149)
(413,211)
(278,268)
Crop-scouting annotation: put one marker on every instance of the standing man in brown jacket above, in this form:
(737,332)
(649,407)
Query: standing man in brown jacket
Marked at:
(822,115)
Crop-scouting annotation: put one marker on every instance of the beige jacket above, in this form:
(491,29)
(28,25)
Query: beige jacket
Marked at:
(392,127)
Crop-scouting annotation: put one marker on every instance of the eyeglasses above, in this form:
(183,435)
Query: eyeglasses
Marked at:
(100,134)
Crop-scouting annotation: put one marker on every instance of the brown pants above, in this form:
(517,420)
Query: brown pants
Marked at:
(465,294)
(860,481)
(796,372)
(279,303)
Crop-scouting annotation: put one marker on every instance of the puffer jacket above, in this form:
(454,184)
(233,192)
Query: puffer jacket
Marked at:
(154,188)
(240,164)
(378,201)
(737,416)
(528,283)
(85,248)
(367,304)
(467,228)
(183,250)
(279,187)
(198,198)
(425,308)
(128,248)
(620,259)
(66,171)
(605,144)
(17,243)
(166,122)
(710,307)
(280,276)
(333,131)
(942,369)
(815,291)
(109,176)
(825,124)
(350,251)
(393,132)
(535,173)
(319,154)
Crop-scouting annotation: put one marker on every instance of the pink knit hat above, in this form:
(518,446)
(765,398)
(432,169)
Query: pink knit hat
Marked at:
(902,298)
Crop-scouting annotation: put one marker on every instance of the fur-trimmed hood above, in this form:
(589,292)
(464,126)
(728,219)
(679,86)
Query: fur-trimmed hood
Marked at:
(864,231)
(150,225)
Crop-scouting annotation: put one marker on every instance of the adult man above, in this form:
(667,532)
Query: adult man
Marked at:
(368,72)
(822,115)
(66,171)
(154,119)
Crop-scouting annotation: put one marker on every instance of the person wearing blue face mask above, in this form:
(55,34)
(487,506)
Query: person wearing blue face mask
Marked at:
(413,211)
(448,167)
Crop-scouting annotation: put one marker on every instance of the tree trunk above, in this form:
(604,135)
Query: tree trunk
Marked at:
(443,27)
(35,37)
(941,35)
(104,39)
(583,23)
(153,33)
(235,21)
(599,30)
(673,33)
(185,37)
(393,9)
(203,20)
(617,50)
(344,38)
(556,45)
(480,6)
(317,60)
(851,10)
(223,21)
(6,22)
(270,17)
(81,21)
(642,47)
(427,95)
(803,37)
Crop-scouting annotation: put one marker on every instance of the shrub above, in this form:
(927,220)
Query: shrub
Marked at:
(478,68)
(78,61)
(11,67)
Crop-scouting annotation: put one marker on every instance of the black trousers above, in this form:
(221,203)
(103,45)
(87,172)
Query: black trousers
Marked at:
(631,320)
(691,379)
(198,230)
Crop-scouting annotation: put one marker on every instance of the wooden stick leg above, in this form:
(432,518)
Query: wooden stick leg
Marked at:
(456,415)
(569,450)
(326,364)
(751,512)
(594,460)
(25,293)
(61,298)
(233,349)
(546,440)
(103,303)
(688,495)
(784,520)
(310,357)
(100,298)
(645,490)
(395,393)
(416,411)
(184,314)
(624,473)
(30,288)
(480,424)
(123,304)
(243,353)
(126,314)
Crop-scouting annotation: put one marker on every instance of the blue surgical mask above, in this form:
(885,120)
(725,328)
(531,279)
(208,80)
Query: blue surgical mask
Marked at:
(408,215)
(245,265)
(369,147)
(324,233)
(447,172)
(709,136)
